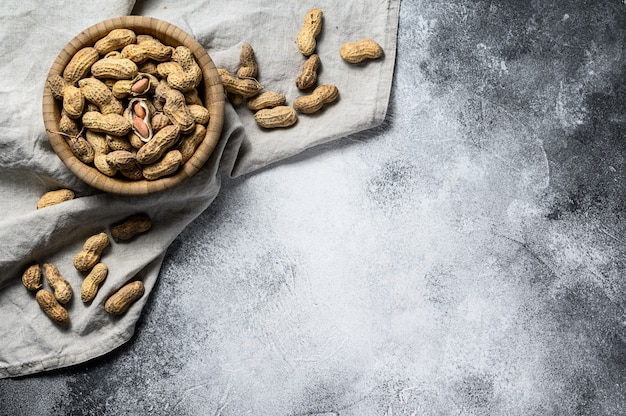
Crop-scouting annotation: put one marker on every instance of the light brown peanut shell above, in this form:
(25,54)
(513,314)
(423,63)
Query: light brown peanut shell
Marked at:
(160,143)
(312,103)
(96,92)
(308,77)
(115,39)
(312,27)
(356,52)
(91,252)
(267,99)
(81,149)
(281,116)
(169,164)
(114,68)
(114,124)
(32,277)
(147,49)
(80,65)
(121,159)
(120,301)
(244,87)
(249,67)
(131,227)
(91,284)
(190,142)
(48,303)
(55,197)
(61,287)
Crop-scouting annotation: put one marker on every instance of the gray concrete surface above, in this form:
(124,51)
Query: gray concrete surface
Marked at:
(465,258)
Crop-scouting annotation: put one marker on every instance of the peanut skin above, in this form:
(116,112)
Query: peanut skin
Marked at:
(91,252)
(48,303)
(356,52)
(312,27)
(120,301)
(312,103)
(55,197)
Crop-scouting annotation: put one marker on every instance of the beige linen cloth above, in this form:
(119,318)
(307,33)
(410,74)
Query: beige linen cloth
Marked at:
(32,34)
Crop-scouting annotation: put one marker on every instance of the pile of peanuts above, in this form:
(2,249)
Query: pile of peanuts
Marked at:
(56,301)
(270,107)
(131,106)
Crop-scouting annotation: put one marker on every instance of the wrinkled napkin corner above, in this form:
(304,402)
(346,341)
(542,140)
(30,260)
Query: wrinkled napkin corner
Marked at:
(33,33)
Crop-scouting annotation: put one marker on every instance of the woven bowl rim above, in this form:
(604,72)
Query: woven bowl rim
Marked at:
(212,90)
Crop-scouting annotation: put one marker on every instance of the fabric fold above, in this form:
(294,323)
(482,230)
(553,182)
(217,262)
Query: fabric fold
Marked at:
(30,342)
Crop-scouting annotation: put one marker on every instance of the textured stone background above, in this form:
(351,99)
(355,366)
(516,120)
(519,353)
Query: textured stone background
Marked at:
(467,257)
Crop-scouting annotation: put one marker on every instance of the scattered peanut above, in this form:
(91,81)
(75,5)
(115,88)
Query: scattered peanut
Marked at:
(120,301)
(90,255)
(360,50)
(48,303)
(244,87)
(312,103)
(55,197)
(312,27)
(61,287)
(32,277)
(249,68)
(131,227)
(281,116)
(308,77)
(92,282)
(267,99)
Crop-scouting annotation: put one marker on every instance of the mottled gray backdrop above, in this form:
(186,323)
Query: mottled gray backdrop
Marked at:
(465,258)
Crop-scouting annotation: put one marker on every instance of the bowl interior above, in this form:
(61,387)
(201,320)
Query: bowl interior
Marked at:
(210,90)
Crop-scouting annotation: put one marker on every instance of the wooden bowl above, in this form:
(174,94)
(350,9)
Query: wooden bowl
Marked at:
(210,90)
